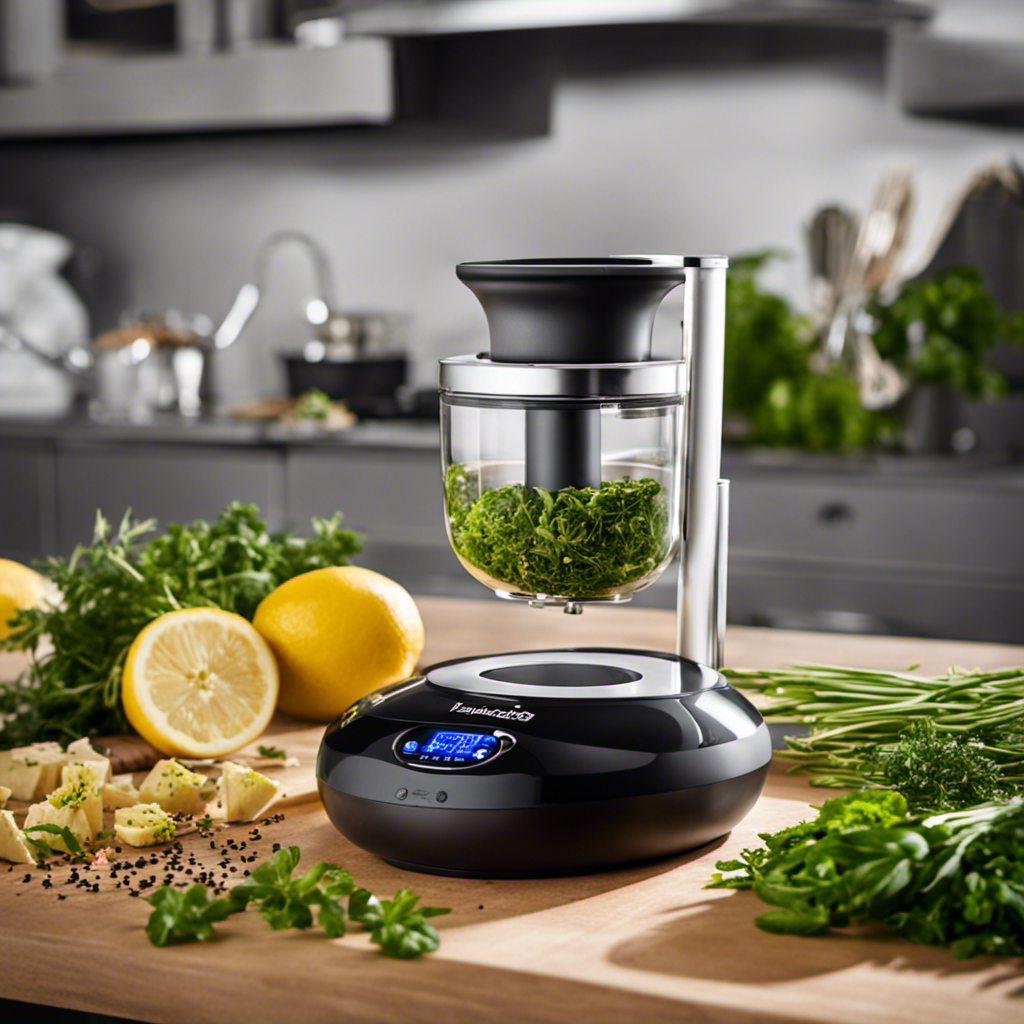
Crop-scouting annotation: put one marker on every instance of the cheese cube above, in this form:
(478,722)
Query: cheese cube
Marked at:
(119,794)
(143,825)
(81,786)
(174,788)
(5,795)
(33,771)
(82,752)
(70,816)
(13,846)
(245,793)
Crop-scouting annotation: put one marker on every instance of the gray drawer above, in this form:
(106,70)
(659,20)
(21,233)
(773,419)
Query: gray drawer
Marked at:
(175,483)
(392,495)
(961,606)
(27,528)
(946,525)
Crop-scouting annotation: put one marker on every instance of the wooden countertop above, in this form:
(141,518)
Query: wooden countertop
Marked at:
(643,944)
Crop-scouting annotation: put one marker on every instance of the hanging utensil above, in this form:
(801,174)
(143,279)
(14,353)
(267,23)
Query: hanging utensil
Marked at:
(879,241)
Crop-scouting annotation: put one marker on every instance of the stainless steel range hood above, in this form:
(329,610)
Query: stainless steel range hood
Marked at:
(452,17)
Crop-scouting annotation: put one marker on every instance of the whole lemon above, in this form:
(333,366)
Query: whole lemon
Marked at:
(338,634)
(20,587)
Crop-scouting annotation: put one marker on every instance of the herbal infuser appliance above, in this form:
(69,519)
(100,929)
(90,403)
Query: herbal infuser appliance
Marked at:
(574,467)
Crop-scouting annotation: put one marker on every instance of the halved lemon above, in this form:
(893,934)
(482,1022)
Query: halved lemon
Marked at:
(200,682)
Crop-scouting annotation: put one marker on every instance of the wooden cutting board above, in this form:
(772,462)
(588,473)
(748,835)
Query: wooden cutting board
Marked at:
(647,943)
(643,944)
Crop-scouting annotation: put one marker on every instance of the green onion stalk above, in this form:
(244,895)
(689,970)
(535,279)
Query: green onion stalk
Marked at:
(873,729)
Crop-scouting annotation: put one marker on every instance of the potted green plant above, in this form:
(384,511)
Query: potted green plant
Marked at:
(940,333)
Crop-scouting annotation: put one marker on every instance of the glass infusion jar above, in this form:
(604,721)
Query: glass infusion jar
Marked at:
(562,482)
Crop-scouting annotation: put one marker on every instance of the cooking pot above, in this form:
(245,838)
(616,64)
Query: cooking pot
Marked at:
(137,369)
(356,359)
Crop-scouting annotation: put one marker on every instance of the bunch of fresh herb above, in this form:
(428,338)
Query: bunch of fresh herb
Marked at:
(819,411)
(953,879)
(575,543)
(935,771)
(840,814)
(113,587)
(771,387)
(947,741)
(398,926)
(940,331)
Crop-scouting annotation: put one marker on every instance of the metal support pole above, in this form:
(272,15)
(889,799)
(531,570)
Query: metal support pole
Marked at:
(701,595)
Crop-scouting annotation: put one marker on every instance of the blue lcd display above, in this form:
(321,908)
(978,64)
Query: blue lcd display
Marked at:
(450,748)
(458,744)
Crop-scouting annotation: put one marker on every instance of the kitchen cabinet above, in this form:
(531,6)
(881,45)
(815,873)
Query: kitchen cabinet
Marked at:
(393,493)
(886,545)
(392,496)
(926,549)
(27,500)
(273,85)
(965,79)
(174,483)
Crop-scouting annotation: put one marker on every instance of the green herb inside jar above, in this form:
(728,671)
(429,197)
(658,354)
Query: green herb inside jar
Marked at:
(575,543)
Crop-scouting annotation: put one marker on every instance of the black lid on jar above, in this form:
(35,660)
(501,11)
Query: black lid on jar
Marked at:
(574,309)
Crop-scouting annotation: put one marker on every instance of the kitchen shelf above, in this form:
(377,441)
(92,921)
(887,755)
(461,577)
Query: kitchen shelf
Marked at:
(966,79)
(452,17)
(269,86)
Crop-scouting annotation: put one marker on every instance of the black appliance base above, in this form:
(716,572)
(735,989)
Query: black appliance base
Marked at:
(548,840)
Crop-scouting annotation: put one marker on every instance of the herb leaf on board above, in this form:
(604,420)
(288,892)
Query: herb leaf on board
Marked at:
(285,900)
(397,925)
(70,840)
(181,915)
(278,753)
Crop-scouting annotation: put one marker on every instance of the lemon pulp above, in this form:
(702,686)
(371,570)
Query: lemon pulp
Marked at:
(199,682)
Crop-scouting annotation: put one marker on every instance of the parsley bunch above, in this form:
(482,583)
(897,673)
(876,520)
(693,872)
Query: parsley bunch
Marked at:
(113,587)
(284,901)
(953,879)
(574,543)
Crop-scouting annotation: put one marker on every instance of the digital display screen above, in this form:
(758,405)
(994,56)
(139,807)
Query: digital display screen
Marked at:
(448,747)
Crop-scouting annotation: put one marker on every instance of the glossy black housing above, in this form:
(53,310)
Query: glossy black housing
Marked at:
(572,310)
(588,783)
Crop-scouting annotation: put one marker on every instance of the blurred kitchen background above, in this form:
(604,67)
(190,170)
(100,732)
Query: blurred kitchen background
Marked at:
(210,208)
